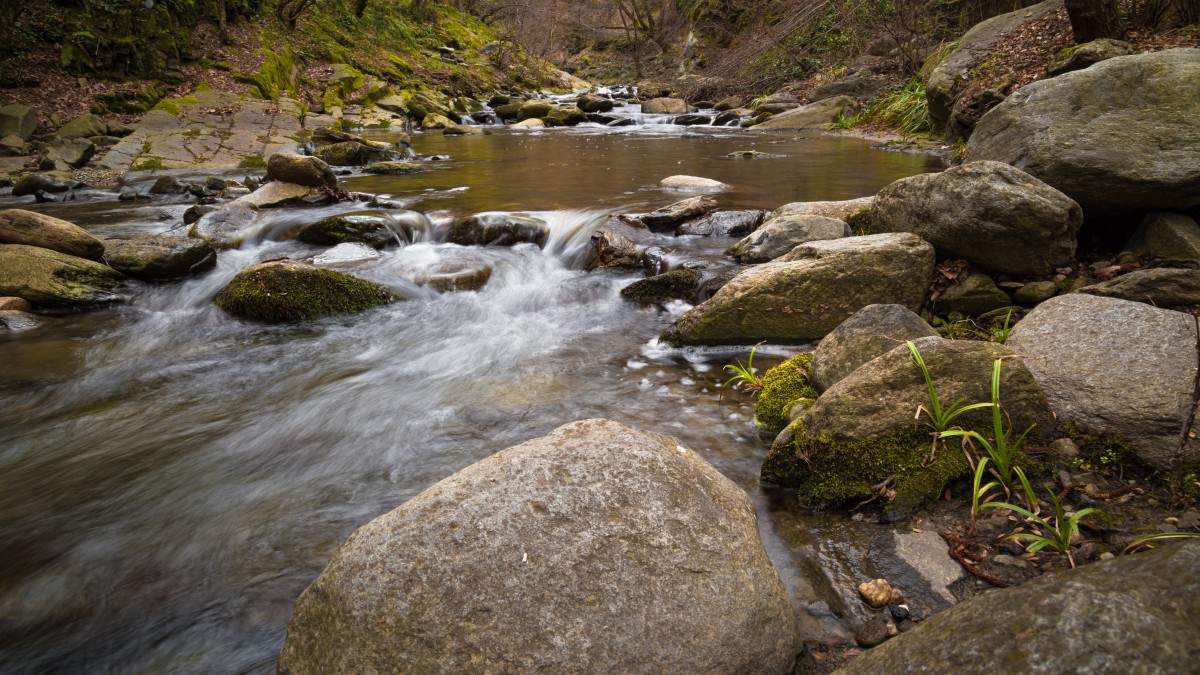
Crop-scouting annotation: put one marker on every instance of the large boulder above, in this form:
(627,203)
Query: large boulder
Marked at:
(227,226)
(1078,57)
(152,257)
(869,333)
(373,230)
(52,279)
(1116,367)
(593,103)
(819,115)
(808,292)
(283,290)
(307,171)
(18,226)
(535,109)
(18,120)
(32,183)
(597,548)
(499,229)
(665,106)
(1121,134)
(860,432)
(1160,286)
(1166,235)
(84,126)
(986,212)
(780,235)
(1063,623)
(64,155)
(953,73)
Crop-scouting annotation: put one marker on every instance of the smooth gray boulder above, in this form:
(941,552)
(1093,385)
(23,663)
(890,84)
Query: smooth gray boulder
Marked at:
(597,548)
(1166,235)
(988,213)
(499,229)
(1112,366)
(1160,286)
(18,226)
(1121,134)
(780,235)
(722,224)
(1063,623)
(52,279)
(805,294)
(154,257)
(867,334)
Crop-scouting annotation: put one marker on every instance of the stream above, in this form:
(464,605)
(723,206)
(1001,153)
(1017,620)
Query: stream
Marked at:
(172,478)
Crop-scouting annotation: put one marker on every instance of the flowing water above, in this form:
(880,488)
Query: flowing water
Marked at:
(172,478)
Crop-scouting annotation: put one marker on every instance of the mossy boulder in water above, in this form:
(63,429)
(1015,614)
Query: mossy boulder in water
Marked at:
(868,334)
(151,257)
(859,439)
(499,229)
(565,116)
(292,168)
(48,278)
(682,284)
(536,109)
(372,230)
(784,386)
(284,290)
(18,226)
(780,235)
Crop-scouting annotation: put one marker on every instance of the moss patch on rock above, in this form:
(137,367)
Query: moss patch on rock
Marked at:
(783,386)
(674,285)
(278,291)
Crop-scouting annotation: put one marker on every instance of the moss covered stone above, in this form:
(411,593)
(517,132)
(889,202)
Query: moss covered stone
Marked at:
(783,386)
(372,230)
(284,290)
(674,285)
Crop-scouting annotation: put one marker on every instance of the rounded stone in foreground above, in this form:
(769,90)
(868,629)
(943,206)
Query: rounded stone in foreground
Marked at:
(597,548)
(285,290)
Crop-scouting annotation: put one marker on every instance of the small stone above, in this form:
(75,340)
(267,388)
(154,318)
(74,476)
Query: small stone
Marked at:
(876,593)
(15,304)
(858,517)
(1167,529)
(892,630)
(871,633)
(1034,292)
(899,612)
(1009,561)
(1065,448)
(1107,555)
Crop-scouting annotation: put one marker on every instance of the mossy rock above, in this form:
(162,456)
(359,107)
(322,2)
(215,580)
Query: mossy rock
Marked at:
(680,284)
(52,279)
(277,291)
(783,386)
(372,230)
(565,116)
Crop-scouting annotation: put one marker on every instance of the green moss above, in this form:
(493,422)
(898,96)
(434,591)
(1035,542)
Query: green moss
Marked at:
(171,105)
(294,292)
(253,162)
(203,85)
(1099,450)
(783,386)
(331,99)
(838,470)
(860,222)
(150,164)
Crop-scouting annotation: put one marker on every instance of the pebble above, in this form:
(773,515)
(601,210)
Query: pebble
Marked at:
(1107,555)
(1010,561)
(899,612)
(879,593)
(892,630)
(871,632)
(1065,448)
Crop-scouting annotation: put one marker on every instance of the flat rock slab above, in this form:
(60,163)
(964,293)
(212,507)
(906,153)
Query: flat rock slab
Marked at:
(220,131)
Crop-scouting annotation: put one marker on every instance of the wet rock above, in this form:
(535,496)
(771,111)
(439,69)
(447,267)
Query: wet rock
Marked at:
(976,294)
(11,304)
(1112,366)
(168,185)
(284,290)
(871,632)
(819,115)
(372,230)
(277,194)
(722,224)
(508,111)
(52,279)
(504,587)
(197,211)
(985,212)
(691,120)
(84,126)
(592,103)
(927,576)
(499,229)
(780,235)
(564,116)
(729,118)
(879,593)
(665,106)
(393,168)
(808,292)
(859,440)
(692,184)
(1061,130)
(151,257)
(612,250)
(20,120)
(455,275)
(1161,287)
(288,167)
(1157,593)
(531,123)
(18,226)
(682,284)
(16,320)
(225,227)
(535,109)
(1166,235)
(1034,292)
(347,153)
(673,215)
(345,253)
(1078,57)
(870,332)
(32,183)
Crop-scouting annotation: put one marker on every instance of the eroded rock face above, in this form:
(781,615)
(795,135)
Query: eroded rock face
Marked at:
(1121,134)
(870,332)
(986,212)
(1022,629)
(598,548)
(49,278)
(18,226)
(285,290)
(808,292)
(1112,366)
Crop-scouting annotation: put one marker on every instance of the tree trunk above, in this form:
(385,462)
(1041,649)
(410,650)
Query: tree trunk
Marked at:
(221,21)
(1095,19)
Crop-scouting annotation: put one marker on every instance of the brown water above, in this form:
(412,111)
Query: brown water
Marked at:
(171,478)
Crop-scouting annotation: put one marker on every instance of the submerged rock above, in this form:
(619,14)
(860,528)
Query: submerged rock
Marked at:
(345,253)
(455,275)
(499,229)
(598,548)
(985,212)
(869,333)
(1022,629)
(1114,367)
(18,226)
(48,278)
(808,292)
(276,291)
(392,168)
(780,235)
(152,257)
